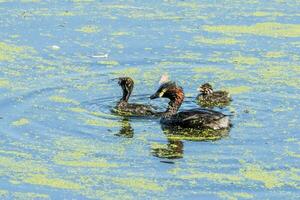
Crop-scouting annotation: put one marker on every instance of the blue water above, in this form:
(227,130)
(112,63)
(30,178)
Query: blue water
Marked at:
(59,139)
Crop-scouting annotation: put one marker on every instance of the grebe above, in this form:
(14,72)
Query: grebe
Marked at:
(194,118)
(130,109)
(210,98)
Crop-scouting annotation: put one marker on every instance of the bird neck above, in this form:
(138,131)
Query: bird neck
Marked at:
(125,96)
(175,103)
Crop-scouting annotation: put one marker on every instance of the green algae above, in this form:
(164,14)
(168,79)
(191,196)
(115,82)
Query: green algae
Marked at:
(217,41)
(238,89)
(253,124)
(271,29)
(256,173)
(267,14)
(76,159)
(86,147)
(89,29)
(234,195)
(29,196)
(11,167)
(130,71)
(21,122)
(3,193)
(94,113)
(292,154)
(16,154)
(121,33)
(61,99)
(244,60)
(108,62)
(10,52)
(4,83)
(139,184)
(43,180)
(274,54)
(190,56)
(102,122)
(216,177)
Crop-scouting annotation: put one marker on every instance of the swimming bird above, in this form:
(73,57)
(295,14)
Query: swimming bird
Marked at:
(130,109)
(210,98)
(193,118)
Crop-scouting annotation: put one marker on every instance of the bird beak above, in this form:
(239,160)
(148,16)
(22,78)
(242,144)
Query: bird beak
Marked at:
(200,89)
(154,96)
(116,79)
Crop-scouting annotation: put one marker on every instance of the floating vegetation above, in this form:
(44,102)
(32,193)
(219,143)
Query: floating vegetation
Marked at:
(21,122)
(89,29)
(61,99)
(271,29)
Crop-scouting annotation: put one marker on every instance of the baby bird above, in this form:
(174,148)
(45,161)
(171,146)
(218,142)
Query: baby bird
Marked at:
(210,98)
(130,109)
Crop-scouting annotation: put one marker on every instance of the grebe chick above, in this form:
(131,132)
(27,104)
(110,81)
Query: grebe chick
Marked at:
(130,109)
(194,118)
(210,98)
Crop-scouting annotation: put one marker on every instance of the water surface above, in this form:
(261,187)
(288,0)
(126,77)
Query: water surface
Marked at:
(59,139)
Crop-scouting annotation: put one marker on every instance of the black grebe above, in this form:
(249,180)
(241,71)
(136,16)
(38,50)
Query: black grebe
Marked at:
(210,98)
(194,118)
(130,109)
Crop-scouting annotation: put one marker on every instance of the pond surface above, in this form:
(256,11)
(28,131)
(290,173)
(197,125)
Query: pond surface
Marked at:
(59,139)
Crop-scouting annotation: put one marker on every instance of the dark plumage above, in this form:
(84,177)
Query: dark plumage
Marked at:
(194,118)
(130,109)
(210,98)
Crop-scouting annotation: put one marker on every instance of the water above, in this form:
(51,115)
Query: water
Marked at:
(59,139)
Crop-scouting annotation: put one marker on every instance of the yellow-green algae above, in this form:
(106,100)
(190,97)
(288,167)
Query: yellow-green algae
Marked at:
(102,122)
(274,54)
(29,196)
(130,71)
(266,14)
(3,193)
(121,33)
(89,29)
(61,99)
(87,147)
(244,60)
(108,62)
(234,195)
(139,183)
(238,89)
(216,41)
(94,113)
(271,29)
(21,122)
(269,179)
(41,179)
(10,52)
(16,154)
(79,159)
(4,83)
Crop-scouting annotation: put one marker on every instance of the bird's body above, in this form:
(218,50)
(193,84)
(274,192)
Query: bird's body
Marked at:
(125,108)
(133,109)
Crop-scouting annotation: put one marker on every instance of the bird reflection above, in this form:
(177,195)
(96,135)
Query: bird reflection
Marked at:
(176,136)
(173,150)
(126,130)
